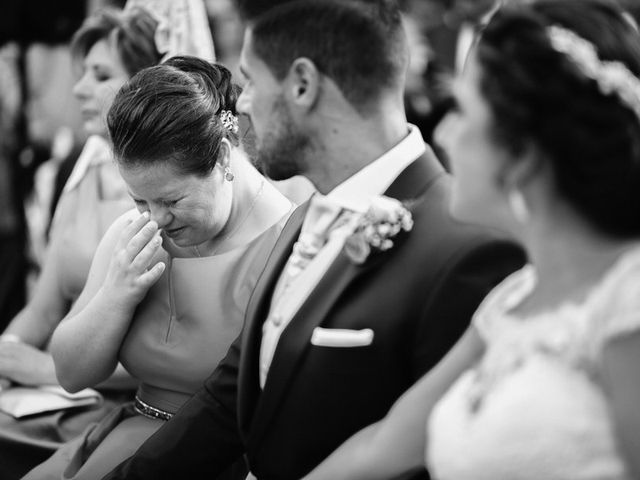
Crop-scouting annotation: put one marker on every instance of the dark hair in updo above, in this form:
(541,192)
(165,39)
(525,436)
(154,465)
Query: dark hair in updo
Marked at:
(538,95)
(171,112)
(133,32)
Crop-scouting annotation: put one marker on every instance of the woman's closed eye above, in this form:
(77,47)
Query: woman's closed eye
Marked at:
(102,75)
(170,203)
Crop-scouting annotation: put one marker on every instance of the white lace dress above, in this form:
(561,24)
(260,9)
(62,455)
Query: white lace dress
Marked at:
(533,407)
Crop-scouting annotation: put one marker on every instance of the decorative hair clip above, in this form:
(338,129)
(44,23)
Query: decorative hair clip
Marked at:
(229,121)
(612,77)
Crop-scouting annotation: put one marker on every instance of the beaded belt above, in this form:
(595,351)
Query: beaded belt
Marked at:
(151,412)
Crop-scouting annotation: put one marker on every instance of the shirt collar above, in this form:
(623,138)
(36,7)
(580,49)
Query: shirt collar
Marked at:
(96,151)
(374,179)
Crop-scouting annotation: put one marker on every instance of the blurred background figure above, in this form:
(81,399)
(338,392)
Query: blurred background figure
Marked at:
(37,33)
(440,33)
(227,27)
(12,231)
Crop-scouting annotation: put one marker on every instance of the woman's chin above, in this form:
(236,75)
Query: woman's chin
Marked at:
(94,127)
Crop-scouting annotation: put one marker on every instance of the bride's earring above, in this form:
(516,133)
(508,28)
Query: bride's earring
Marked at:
(228,174)
(518,206)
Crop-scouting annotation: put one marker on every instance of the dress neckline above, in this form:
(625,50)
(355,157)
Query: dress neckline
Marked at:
(519,285)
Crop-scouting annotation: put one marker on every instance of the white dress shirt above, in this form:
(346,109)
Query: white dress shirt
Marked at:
(353,194)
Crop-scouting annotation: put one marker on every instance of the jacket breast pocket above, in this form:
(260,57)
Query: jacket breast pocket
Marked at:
(341,338)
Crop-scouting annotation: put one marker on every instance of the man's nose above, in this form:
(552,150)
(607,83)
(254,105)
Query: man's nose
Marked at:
(242,104)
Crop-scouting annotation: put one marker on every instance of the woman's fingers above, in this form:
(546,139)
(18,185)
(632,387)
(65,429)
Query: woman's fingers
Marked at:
(151,276)
(143,259)
(140,240)
(132,229)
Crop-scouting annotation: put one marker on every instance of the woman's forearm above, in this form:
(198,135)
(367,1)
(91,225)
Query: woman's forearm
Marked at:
(86,344)
(397,443)
(49,304)
(30,328)
(24,364)
(361,457)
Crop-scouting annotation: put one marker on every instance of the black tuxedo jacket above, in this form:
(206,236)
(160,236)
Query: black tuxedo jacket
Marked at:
(417,297)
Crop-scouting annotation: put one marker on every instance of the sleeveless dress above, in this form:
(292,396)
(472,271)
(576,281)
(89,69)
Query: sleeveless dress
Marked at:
(86,210)
(533,408)
(180,332)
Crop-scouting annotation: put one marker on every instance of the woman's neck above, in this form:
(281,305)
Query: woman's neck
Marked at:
(256,205)
(570,257)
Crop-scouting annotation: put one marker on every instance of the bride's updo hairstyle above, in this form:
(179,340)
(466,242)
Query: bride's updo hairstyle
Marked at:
(545,88)
(176,112)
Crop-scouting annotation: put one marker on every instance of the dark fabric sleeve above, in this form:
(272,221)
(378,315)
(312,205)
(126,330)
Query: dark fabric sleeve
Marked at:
(201,440)
(469,277)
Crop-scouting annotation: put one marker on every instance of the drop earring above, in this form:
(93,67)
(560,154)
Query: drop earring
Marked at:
(228,174)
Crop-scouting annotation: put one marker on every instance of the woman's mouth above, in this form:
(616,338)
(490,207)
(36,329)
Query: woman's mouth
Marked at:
(173,232)
(89,113)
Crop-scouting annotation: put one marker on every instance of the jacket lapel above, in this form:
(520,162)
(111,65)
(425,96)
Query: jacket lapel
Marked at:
(257,311)
(409,185)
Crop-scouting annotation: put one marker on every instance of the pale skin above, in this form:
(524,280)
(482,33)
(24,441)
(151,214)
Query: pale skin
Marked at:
(570,257)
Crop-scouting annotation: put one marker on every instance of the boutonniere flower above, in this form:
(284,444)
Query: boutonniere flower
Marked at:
(385,218)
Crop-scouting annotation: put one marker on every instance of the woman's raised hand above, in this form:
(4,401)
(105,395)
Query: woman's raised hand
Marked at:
(131,270)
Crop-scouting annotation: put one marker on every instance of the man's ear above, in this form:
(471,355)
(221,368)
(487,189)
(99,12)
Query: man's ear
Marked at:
(303,83)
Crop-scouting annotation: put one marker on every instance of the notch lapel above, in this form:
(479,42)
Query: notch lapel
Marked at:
(409,185)
(257,311)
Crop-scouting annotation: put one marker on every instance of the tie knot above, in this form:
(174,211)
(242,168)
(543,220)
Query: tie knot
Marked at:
(320,219)
(322,214)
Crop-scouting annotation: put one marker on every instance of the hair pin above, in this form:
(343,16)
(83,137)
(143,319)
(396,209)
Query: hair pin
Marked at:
(229,121)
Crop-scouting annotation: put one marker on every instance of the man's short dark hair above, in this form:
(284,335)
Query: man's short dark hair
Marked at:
(359,44)
(251,9)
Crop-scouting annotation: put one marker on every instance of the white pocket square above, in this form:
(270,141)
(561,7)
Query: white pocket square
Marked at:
(339,337)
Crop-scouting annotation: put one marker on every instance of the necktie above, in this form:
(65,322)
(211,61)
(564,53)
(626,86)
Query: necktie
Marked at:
(321,218)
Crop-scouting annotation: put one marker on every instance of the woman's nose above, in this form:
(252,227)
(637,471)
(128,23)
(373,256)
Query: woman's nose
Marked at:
(161,215)
(81,88)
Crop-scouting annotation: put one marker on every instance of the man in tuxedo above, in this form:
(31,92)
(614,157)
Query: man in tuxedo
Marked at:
(332,338)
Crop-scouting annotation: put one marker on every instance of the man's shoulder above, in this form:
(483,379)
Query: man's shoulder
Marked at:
(436,230)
